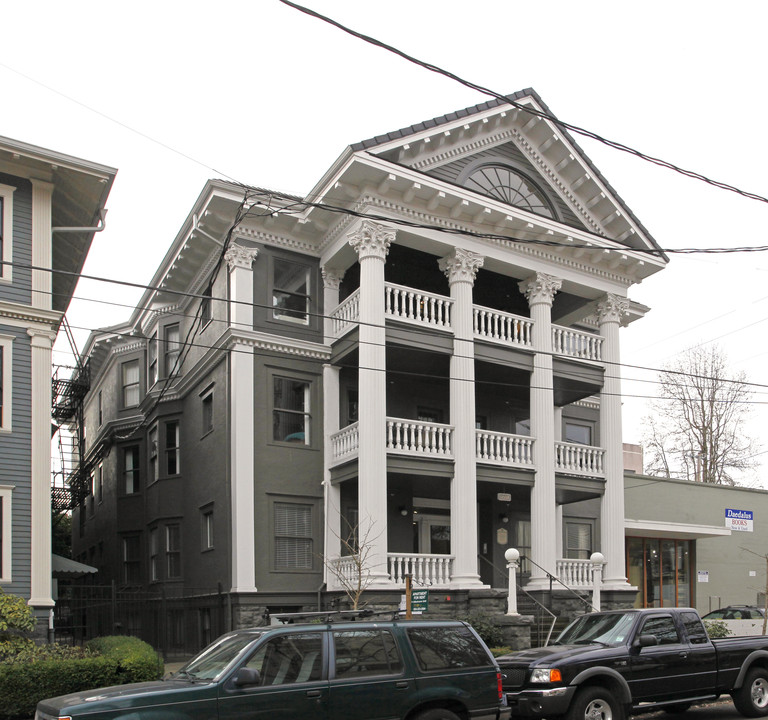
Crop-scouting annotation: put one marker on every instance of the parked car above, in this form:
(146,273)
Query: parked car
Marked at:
(425,670)
(739,619)
(610,664)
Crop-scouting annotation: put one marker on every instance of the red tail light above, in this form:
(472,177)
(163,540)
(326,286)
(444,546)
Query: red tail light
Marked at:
(498,683)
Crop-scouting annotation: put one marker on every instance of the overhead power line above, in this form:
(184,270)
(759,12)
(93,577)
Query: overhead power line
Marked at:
(526,108)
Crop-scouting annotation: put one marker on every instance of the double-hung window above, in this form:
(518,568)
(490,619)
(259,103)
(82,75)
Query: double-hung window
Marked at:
(290,291)
(293,536)
(578,540)
(6,344)
(130,380)
(6,232)
(172,448)
(5,533)
(206,408)
(131,474)
(131,560)
(173,551)
(172,338)
(154,553)
(152,375)
(291,410)
(153,458)
(205,306)
(206,529)
(578,433)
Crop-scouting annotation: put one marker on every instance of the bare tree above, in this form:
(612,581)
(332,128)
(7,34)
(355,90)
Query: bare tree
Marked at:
(351,569)
(696,430)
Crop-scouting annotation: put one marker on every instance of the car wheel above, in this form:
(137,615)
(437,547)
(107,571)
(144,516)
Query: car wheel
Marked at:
(595,703)
(751,699)
(437,714)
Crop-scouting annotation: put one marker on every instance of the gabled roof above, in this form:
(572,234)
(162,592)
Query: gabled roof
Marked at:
(381,143)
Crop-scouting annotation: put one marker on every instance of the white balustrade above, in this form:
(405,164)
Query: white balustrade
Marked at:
(503,448)
(575,573)
(343,572)
(579,459)
(346,315)
(427,570)
(501,327)
(414,437)
(575,343)
(411,305)
(345,443)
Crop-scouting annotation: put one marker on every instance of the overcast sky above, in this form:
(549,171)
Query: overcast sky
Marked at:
(173,93)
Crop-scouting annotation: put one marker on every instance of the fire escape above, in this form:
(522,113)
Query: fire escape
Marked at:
(70,476)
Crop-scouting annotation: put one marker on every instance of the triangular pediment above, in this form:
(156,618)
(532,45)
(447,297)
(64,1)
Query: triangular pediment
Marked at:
(497,135)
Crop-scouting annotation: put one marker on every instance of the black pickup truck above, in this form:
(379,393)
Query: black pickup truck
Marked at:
(606,666)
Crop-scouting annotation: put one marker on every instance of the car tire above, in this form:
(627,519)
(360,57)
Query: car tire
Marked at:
(437,714)
(751,699)
(595,703)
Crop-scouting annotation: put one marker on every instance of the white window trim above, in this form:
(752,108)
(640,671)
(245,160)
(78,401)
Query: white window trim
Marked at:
(6,342)
(6,192)
(6,492)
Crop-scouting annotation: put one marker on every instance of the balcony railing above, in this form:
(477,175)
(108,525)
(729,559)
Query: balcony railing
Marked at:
(415,437)
(411,305)
(577,344)
(575,573)
(345,443)
(579,459)
(503,449)
(501,327)
(425,570)
(346,315)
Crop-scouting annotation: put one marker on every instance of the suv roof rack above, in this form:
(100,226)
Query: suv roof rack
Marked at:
(329,616)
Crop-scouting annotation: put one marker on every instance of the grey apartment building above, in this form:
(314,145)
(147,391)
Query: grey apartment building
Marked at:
(407,371)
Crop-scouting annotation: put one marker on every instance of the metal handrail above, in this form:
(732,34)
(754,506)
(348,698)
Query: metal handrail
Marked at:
(551,577)
(521,589)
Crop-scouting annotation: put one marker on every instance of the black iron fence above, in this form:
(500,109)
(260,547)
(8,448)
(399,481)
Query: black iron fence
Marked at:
(177,623)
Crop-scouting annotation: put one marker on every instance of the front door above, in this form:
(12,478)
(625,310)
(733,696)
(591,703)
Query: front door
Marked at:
(434,534)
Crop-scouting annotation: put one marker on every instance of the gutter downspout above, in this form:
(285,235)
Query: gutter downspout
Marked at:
(101,226)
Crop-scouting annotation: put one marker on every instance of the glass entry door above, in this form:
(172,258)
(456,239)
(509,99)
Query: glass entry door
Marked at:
(661,570)
(434,534)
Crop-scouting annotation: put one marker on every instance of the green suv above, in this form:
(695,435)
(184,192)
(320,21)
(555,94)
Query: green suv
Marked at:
(415,670)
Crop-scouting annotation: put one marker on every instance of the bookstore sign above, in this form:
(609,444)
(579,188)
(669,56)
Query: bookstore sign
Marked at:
(739,520)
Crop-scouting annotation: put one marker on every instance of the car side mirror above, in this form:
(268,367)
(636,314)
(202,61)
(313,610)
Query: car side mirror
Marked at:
(246,676)
(647,641)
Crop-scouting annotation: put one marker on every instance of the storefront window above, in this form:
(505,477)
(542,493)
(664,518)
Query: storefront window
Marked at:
(660,569)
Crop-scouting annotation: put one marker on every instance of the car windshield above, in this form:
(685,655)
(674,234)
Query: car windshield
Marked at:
(211,663)
(609,629)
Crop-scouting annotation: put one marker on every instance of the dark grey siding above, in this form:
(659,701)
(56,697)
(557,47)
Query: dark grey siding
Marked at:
(19,291)
(15,460)
(509,152)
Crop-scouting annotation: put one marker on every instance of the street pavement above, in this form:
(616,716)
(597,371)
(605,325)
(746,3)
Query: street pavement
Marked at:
(721,710)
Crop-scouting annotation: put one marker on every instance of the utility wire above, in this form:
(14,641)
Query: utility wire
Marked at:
(526,108)
(229,301)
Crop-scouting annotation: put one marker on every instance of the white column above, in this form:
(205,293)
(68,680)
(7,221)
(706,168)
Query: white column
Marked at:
(42,250)
(331,282)
(241,391)
(331,492)
(461,269)
(372,241)
(540,291)
(40,572)
(610,310)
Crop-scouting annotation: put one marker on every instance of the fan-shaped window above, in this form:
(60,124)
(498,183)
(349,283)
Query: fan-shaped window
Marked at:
(509,186)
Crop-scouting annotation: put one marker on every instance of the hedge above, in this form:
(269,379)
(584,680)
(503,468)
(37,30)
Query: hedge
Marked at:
(49,671)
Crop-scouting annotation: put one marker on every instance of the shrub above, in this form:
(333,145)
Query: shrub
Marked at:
(52,670)
(499,651)
(716,628)
(16,624)
(486,628)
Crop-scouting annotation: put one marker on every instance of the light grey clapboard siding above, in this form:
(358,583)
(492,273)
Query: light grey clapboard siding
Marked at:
(509,151)
(20,290)
(15,460)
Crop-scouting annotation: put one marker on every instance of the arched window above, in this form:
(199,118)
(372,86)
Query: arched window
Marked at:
(509,186)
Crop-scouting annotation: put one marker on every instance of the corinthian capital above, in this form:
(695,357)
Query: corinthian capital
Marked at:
(238,256)
(540,288)
(462,266)
(612,308)
(372,240)
(331,278)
